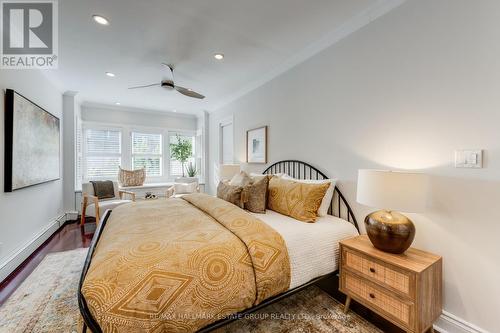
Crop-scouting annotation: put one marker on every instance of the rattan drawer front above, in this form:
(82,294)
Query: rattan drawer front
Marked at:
(389,305)
(392,278)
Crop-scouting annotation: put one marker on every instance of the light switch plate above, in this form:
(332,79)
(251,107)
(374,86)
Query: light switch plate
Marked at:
(469,158)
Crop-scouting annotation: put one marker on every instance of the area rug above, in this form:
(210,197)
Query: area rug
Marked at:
(308,311)
(47,302)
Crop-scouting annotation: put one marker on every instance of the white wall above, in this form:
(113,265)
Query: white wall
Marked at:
(27,212)
(403,93)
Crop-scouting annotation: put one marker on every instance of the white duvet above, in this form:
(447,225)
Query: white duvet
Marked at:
(313,248)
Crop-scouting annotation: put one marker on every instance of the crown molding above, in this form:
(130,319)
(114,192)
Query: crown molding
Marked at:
(92,105)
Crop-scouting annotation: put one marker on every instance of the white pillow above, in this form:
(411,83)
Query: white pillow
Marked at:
(258,176)
(327,199)
(240,179)
(185,188)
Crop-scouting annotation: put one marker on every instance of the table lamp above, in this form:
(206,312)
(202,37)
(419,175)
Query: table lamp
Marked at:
(389,230)
(227,171)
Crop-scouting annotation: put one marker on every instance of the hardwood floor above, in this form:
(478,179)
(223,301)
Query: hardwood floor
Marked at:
(68,237)
(72,236)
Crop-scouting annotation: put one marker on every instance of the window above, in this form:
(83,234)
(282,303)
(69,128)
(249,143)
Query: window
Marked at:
(176,166)
(102,153)
(147,153)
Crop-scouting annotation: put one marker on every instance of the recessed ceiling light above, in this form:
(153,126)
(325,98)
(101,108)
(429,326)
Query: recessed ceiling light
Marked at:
(100,19)
(118,103)
(110,74)
(219,56)
(174,110)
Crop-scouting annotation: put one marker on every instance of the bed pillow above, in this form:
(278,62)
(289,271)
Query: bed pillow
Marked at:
(230,193)
(255,195)
(258,176)
(327,199)
(240,179)
(298,200)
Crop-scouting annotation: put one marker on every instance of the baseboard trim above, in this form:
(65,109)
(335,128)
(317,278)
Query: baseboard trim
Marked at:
(449,323)
(19,256)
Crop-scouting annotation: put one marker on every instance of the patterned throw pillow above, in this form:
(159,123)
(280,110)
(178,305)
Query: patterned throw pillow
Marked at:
(131,177)
(298,200)
(230,193)
(327,199)
(255,195)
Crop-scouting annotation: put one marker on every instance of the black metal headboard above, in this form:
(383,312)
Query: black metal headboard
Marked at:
(301,170)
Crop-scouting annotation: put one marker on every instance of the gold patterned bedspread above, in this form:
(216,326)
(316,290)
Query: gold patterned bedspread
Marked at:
(178,265)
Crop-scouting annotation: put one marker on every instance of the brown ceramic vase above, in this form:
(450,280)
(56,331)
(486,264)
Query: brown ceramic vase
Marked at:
(390,231)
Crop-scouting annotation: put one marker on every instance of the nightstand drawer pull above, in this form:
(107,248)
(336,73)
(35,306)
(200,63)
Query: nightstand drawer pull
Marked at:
(372,269)
(372,295)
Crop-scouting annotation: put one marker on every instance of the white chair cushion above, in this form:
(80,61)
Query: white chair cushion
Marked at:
(186,188)
(104,205)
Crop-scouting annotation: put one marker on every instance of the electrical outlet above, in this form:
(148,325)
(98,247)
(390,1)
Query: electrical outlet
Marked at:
(469,158)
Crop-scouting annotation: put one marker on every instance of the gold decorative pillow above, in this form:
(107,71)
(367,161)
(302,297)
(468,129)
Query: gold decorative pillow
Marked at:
(230,193)
(255,195)
(131,177)
(298,200)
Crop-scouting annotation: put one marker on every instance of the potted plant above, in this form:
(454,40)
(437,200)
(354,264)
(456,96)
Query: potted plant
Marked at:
(182,151)
(191,170)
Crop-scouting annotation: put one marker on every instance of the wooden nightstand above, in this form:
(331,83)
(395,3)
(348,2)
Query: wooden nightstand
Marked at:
(405,289)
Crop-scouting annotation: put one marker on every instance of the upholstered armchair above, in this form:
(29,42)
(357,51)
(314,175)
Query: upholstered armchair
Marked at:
(93,206)
(183,186)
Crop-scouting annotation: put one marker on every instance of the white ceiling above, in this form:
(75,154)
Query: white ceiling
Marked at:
(256,36)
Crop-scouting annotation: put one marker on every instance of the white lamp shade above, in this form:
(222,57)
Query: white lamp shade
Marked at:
(393,190)
(227,171)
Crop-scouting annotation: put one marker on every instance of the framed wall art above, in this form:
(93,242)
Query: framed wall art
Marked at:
(257,145)
(32,143)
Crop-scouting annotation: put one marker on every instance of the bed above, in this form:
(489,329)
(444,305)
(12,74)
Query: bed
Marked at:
(309,252)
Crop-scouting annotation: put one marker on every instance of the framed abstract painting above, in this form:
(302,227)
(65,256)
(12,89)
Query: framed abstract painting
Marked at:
(32,143)
(257,145)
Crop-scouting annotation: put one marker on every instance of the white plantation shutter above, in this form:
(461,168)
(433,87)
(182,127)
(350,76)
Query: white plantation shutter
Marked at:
(147,153)
(176,166)
(102,153)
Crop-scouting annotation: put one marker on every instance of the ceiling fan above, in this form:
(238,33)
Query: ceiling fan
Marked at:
(168,84)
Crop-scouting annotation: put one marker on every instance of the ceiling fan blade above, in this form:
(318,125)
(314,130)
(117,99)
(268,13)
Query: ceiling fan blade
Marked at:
(146,86)
(189,92)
